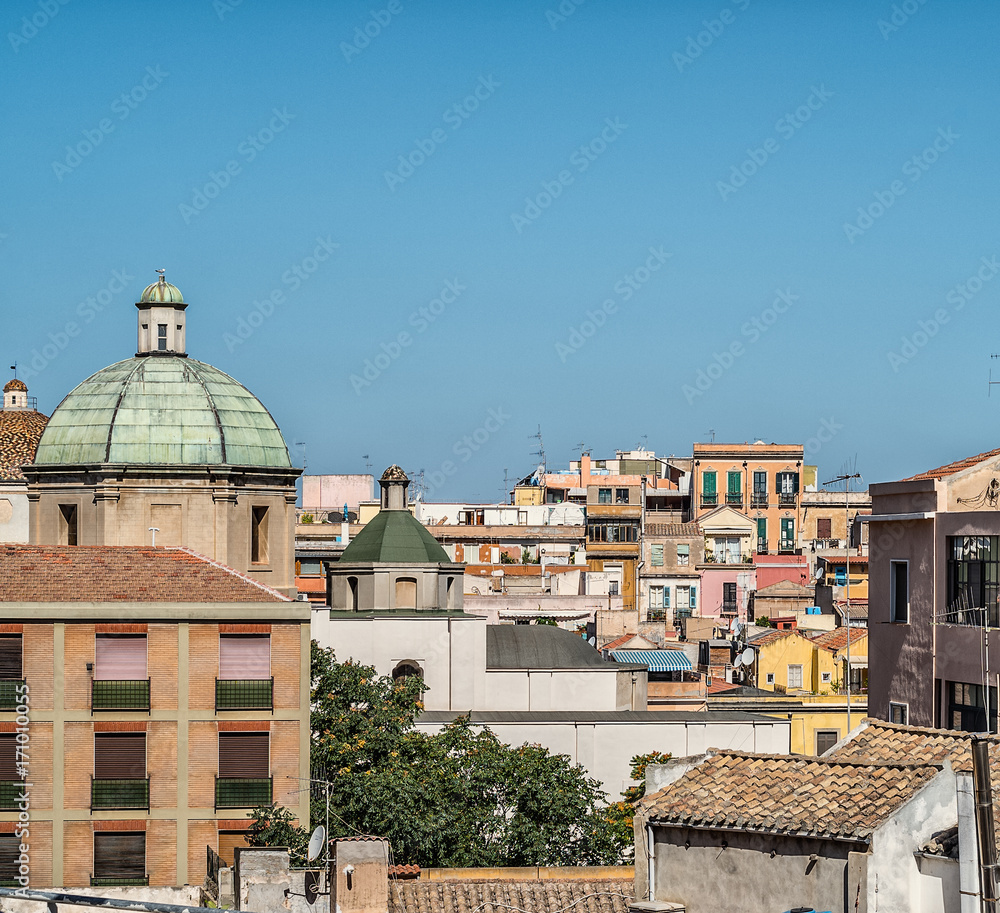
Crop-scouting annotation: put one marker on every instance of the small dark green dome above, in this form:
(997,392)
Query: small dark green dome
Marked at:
(394,537)
(162,292)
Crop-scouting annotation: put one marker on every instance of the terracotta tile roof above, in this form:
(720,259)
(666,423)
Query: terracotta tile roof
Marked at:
(837,638)
(624,639)
(52,573)
(674,529)
(720,685)
(15,384)
(770,637)
(543,896)
(877,741)
(943,843)
(952,468)
(20,432)
(788,794)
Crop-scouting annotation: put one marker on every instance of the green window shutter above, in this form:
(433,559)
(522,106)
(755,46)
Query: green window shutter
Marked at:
(762,527)
(657,555)
(735,481)
(795,482)
(708,483)
(666,597)
(683,551)
(693,598)
(777,482)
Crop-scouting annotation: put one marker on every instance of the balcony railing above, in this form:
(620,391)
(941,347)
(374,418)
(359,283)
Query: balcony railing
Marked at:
(107,694)
(10,689)
(656,615)
(242,792)
(734,498)
(123,793)
(248,694)
(787,498)
(786,547)
(684,613)
(709,499)
(827,543)
(11,792)
(118,881)
(762,546)
(729,608)
(759,499)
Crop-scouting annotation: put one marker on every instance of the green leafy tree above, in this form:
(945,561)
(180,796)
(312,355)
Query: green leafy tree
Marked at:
(622,813)
(275,826)
(460,797)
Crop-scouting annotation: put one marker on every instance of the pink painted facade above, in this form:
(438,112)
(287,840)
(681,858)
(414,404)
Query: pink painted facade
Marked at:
(773,568)
(332,492)
(714,579)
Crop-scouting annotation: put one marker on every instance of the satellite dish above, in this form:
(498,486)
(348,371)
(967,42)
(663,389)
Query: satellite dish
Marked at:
(738,662)
(818,574)
(747,656)
(592,641)
(737,627)
(316,842)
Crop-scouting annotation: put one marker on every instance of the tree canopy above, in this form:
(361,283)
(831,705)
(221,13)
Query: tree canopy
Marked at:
(460,797)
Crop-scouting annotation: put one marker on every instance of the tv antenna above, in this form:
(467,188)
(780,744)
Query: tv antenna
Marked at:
(540,452)
(989,389)
(711,432)
(368,463)
(305,463)
(506,486)
(583,448)
(13,368)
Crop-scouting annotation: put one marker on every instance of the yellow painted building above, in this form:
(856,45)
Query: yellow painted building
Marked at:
(788,662)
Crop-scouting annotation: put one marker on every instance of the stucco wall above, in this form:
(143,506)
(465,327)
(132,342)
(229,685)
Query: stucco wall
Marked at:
(606,748)
(707,877)
(14,513)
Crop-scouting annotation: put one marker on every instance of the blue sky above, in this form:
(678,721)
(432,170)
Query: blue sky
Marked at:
(623,223)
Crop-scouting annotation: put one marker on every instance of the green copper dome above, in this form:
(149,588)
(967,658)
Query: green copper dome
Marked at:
(162,410)
(394,537)
(162,292)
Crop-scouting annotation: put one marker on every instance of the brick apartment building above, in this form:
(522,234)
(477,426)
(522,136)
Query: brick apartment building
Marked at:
(166,696)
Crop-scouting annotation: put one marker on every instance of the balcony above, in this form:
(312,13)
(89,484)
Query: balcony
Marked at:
(119,881)
(242,792)
(709,499)
(125,793)
(759,500)
(656,615)
(684,613)
(10,690)
(786,547)
(729,608)
(106,694)
(787,499)
(762,546)
(248,694)
(734,498)
(11,792)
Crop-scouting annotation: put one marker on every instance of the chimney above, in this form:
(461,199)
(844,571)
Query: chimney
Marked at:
(359,882)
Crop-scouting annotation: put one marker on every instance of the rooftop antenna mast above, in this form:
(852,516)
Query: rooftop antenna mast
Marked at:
(711,431)
(305,463)
(506,486)
(540,452)
(989,389)
(13,368)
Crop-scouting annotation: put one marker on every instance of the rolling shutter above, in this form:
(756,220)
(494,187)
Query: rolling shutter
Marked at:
(8,757)
(120,657)
(244,656)
(119,855)
(244,754)
(8,857)
(10,656)
(823,528)
(120,756)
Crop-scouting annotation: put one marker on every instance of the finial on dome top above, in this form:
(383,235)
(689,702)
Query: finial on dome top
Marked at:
(394,483)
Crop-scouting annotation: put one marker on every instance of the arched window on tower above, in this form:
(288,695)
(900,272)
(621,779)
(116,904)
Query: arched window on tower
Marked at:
(352,594)
(408,668)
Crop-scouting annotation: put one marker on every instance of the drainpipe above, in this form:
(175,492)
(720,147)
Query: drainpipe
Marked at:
(968,854)
(984,822)
(650,864)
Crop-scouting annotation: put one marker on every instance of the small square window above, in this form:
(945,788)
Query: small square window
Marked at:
(826,677)
(770,678)
(899,713)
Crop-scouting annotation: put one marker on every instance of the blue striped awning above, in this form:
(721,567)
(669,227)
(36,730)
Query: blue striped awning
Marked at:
(656,660)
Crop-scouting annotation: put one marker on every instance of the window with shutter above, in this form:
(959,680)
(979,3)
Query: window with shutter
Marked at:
(683,554)
(693,598)
(244,681)
(244,770)
(823,527)
(120,657)
(119,771)
(11,781)
(708,483)
(121,680)
(826,739)
(119,859)
(244,754)
(244,656)
(9,851)
(10,656)
(11,671)
(656,555)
